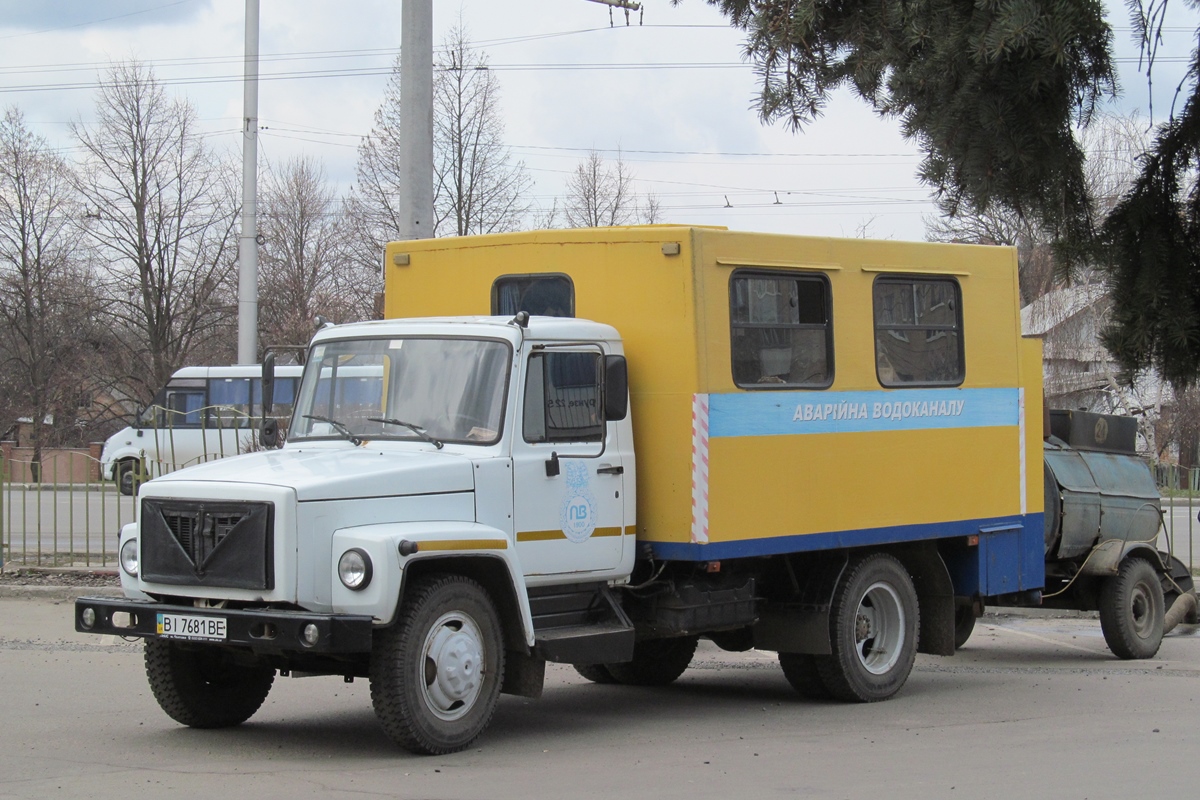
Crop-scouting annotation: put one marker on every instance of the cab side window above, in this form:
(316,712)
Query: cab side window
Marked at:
(918,332)
(563,398)
(781,331)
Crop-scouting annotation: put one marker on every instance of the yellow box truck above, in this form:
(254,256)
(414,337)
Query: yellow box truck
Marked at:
(598,446)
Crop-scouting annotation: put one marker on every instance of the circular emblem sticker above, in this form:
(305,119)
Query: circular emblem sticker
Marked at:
(578,515)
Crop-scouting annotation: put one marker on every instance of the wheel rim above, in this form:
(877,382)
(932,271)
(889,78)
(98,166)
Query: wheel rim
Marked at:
(1141,610)
(126,481)
(879,628)
(452,677)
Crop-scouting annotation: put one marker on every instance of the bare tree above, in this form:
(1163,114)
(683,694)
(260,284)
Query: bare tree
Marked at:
(600,194)
(45,302)
(303,269)
(478,187)
(162,211)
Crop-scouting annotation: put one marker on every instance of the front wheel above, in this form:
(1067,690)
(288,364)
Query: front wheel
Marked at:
(436,673)
(1132,609)
(205,687)
(873,631)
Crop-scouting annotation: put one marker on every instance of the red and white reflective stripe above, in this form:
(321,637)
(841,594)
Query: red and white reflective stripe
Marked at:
(700,469)
(1021,429)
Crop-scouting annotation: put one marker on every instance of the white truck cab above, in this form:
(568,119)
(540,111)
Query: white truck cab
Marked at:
(501,447)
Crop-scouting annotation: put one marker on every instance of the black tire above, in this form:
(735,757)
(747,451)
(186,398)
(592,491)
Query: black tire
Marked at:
(205,687)
(436,673)
(1132,609)
(964,622)
(596,673)
(656,662)
(738,640)
(801,672)
(873,624)
(127,477)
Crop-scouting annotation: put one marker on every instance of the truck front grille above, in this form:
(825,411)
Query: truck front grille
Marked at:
(208,544)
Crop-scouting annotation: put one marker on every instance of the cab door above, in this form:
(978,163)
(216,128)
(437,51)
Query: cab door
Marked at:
(569,487)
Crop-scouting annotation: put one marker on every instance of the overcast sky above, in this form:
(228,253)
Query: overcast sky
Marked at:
(671,94)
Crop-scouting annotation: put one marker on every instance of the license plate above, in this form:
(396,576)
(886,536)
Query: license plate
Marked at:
(186,626)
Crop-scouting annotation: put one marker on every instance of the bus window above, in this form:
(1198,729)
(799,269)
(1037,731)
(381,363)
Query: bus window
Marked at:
(229,400)
(183,408)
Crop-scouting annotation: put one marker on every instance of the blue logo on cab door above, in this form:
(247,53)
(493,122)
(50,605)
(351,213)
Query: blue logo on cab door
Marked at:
(578,515)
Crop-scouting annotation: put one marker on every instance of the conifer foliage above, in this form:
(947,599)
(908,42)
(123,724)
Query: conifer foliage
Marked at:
(989,89)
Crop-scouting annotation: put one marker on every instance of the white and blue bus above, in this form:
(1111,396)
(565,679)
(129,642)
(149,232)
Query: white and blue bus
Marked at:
(201,414)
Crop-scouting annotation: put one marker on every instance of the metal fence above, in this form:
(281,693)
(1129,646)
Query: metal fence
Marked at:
(62,521)
(63,513)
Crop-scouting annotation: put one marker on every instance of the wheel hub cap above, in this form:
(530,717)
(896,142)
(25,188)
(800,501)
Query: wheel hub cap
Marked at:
(879,628)
(453,675)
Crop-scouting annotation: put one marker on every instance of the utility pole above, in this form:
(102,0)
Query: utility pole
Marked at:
(248,243)
(415,203)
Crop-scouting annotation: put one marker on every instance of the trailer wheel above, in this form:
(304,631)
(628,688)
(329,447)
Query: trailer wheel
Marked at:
(596,673)
(801,672)
(205,687)
(873,631)
(1132,609)
(656,662)
(436,673)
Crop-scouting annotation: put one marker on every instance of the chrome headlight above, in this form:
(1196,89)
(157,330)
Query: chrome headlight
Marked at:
(354,569)
(129,557)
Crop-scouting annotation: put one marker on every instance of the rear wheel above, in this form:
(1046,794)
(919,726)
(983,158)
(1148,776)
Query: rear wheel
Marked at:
(596,673)
(801,672)
(205,687)
(656,662)
(436,673)
(872,630)
(964,622)
(1132,609)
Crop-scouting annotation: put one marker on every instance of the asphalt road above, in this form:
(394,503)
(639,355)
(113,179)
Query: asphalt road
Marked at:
(1031,708)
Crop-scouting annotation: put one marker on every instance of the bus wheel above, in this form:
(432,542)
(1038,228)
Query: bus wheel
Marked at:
(1131,610)
(127,471)
(436,673)
(873,631)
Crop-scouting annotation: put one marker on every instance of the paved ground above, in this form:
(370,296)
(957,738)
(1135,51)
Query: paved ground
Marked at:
(1031,708)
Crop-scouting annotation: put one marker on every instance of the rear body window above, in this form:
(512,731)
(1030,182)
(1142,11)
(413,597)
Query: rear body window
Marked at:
(918,332)
(549,295)
(781,330)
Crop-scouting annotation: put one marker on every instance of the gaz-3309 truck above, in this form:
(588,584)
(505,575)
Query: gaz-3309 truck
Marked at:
(597,446)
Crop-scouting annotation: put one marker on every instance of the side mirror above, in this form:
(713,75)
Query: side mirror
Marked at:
(268,432)
(616,388)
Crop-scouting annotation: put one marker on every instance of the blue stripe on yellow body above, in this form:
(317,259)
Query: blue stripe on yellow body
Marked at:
(792,413)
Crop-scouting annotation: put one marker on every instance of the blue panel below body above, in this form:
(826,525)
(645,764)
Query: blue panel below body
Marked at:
(1008,558)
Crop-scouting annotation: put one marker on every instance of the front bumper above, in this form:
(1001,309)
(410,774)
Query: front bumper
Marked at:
(264,630)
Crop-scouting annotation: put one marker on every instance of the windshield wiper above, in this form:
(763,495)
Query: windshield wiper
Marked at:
(342,429)
(417,429)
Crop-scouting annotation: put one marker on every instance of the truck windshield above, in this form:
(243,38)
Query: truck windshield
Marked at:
(449,390)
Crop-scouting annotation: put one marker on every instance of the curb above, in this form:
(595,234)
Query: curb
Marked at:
(57,594)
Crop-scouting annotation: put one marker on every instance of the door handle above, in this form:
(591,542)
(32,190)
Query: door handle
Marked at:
(608,469)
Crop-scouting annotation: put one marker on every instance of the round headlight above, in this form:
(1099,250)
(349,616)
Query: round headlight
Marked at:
(354,569)
(129,557)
